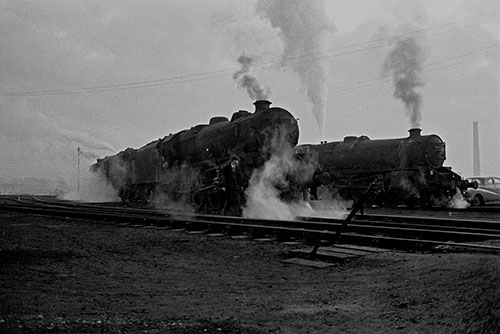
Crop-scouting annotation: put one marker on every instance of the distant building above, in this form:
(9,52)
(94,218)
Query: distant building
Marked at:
(32,186)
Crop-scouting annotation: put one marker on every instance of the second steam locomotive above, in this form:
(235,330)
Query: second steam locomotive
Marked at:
(208,165)
(405,170)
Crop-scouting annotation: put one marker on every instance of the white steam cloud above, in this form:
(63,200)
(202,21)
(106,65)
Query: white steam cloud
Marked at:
(84,139)
(89,155)
(279,177)
(179,181)
(303,26)
(280,174)
(94,187)
(458,201)
(34,145)
(263,193)
(405,62)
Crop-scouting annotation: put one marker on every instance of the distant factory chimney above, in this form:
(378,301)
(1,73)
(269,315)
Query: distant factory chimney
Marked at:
(261,105)
(475,149)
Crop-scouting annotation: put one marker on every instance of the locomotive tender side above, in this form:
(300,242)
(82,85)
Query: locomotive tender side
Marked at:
(408,170)
(210,164)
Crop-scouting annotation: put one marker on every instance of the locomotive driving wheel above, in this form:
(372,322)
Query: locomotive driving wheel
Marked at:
(391,199)
(198,199)
(217,200)
(412,202)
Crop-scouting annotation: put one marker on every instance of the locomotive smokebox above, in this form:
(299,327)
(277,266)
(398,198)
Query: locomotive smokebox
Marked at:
(261,105)
(415,132)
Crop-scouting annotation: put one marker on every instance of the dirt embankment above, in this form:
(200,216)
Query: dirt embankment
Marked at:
(67,276)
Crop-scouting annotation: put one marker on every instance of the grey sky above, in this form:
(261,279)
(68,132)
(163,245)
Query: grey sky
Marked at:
(99,75)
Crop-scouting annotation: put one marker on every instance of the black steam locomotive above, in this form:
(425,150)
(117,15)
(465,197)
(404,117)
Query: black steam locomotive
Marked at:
(404,170)
(209,165)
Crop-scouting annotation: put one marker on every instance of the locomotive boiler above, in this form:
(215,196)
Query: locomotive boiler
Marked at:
(405,170)
(208,165)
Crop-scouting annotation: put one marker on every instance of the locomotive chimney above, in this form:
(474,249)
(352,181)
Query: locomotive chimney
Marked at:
(415,132)
(261,105)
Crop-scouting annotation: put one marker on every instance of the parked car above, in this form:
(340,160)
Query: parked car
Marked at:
(488,190)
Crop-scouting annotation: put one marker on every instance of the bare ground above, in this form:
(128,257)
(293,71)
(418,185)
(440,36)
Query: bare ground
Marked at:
(69,276)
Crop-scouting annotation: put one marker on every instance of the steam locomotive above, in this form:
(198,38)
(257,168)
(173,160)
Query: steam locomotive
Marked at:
(404,170)
(207,166)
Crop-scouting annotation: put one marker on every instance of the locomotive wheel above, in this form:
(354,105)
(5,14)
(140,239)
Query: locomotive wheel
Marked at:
(150,195)
(198,199)
(411,202)
(217,200)
(369,200)
(426,204)
(122,195)
(390,200)
(426,201)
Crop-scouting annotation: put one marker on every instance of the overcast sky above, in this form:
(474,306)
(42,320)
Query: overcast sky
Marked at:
(106,75)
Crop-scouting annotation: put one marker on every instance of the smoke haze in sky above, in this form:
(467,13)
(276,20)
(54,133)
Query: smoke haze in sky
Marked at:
(303,26)
(159,67)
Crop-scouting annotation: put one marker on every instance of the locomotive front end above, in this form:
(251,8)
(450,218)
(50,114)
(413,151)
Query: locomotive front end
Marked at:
(276,129)
(432,151)
(436,183)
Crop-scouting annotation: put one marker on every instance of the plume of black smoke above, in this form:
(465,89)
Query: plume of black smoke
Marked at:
(404,62)
(303,25)
(249,82)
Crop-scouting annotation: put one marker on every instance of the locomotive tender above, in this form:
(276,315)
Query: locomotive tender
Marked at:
(408,170)
(208,165)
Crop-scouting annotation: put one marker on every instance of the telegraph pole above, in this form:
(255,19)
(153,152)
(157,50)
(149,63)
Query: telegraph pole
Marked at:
(78,176)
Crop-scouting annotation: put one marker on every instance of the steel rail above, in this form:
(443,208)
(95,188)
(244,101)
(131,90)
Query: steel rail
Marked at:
(455,221)
(361,222)
(479,209)
(317,230)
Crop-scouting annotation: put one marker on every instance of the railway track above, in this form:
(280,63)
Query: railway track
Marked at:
(383,231)
(470,210)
